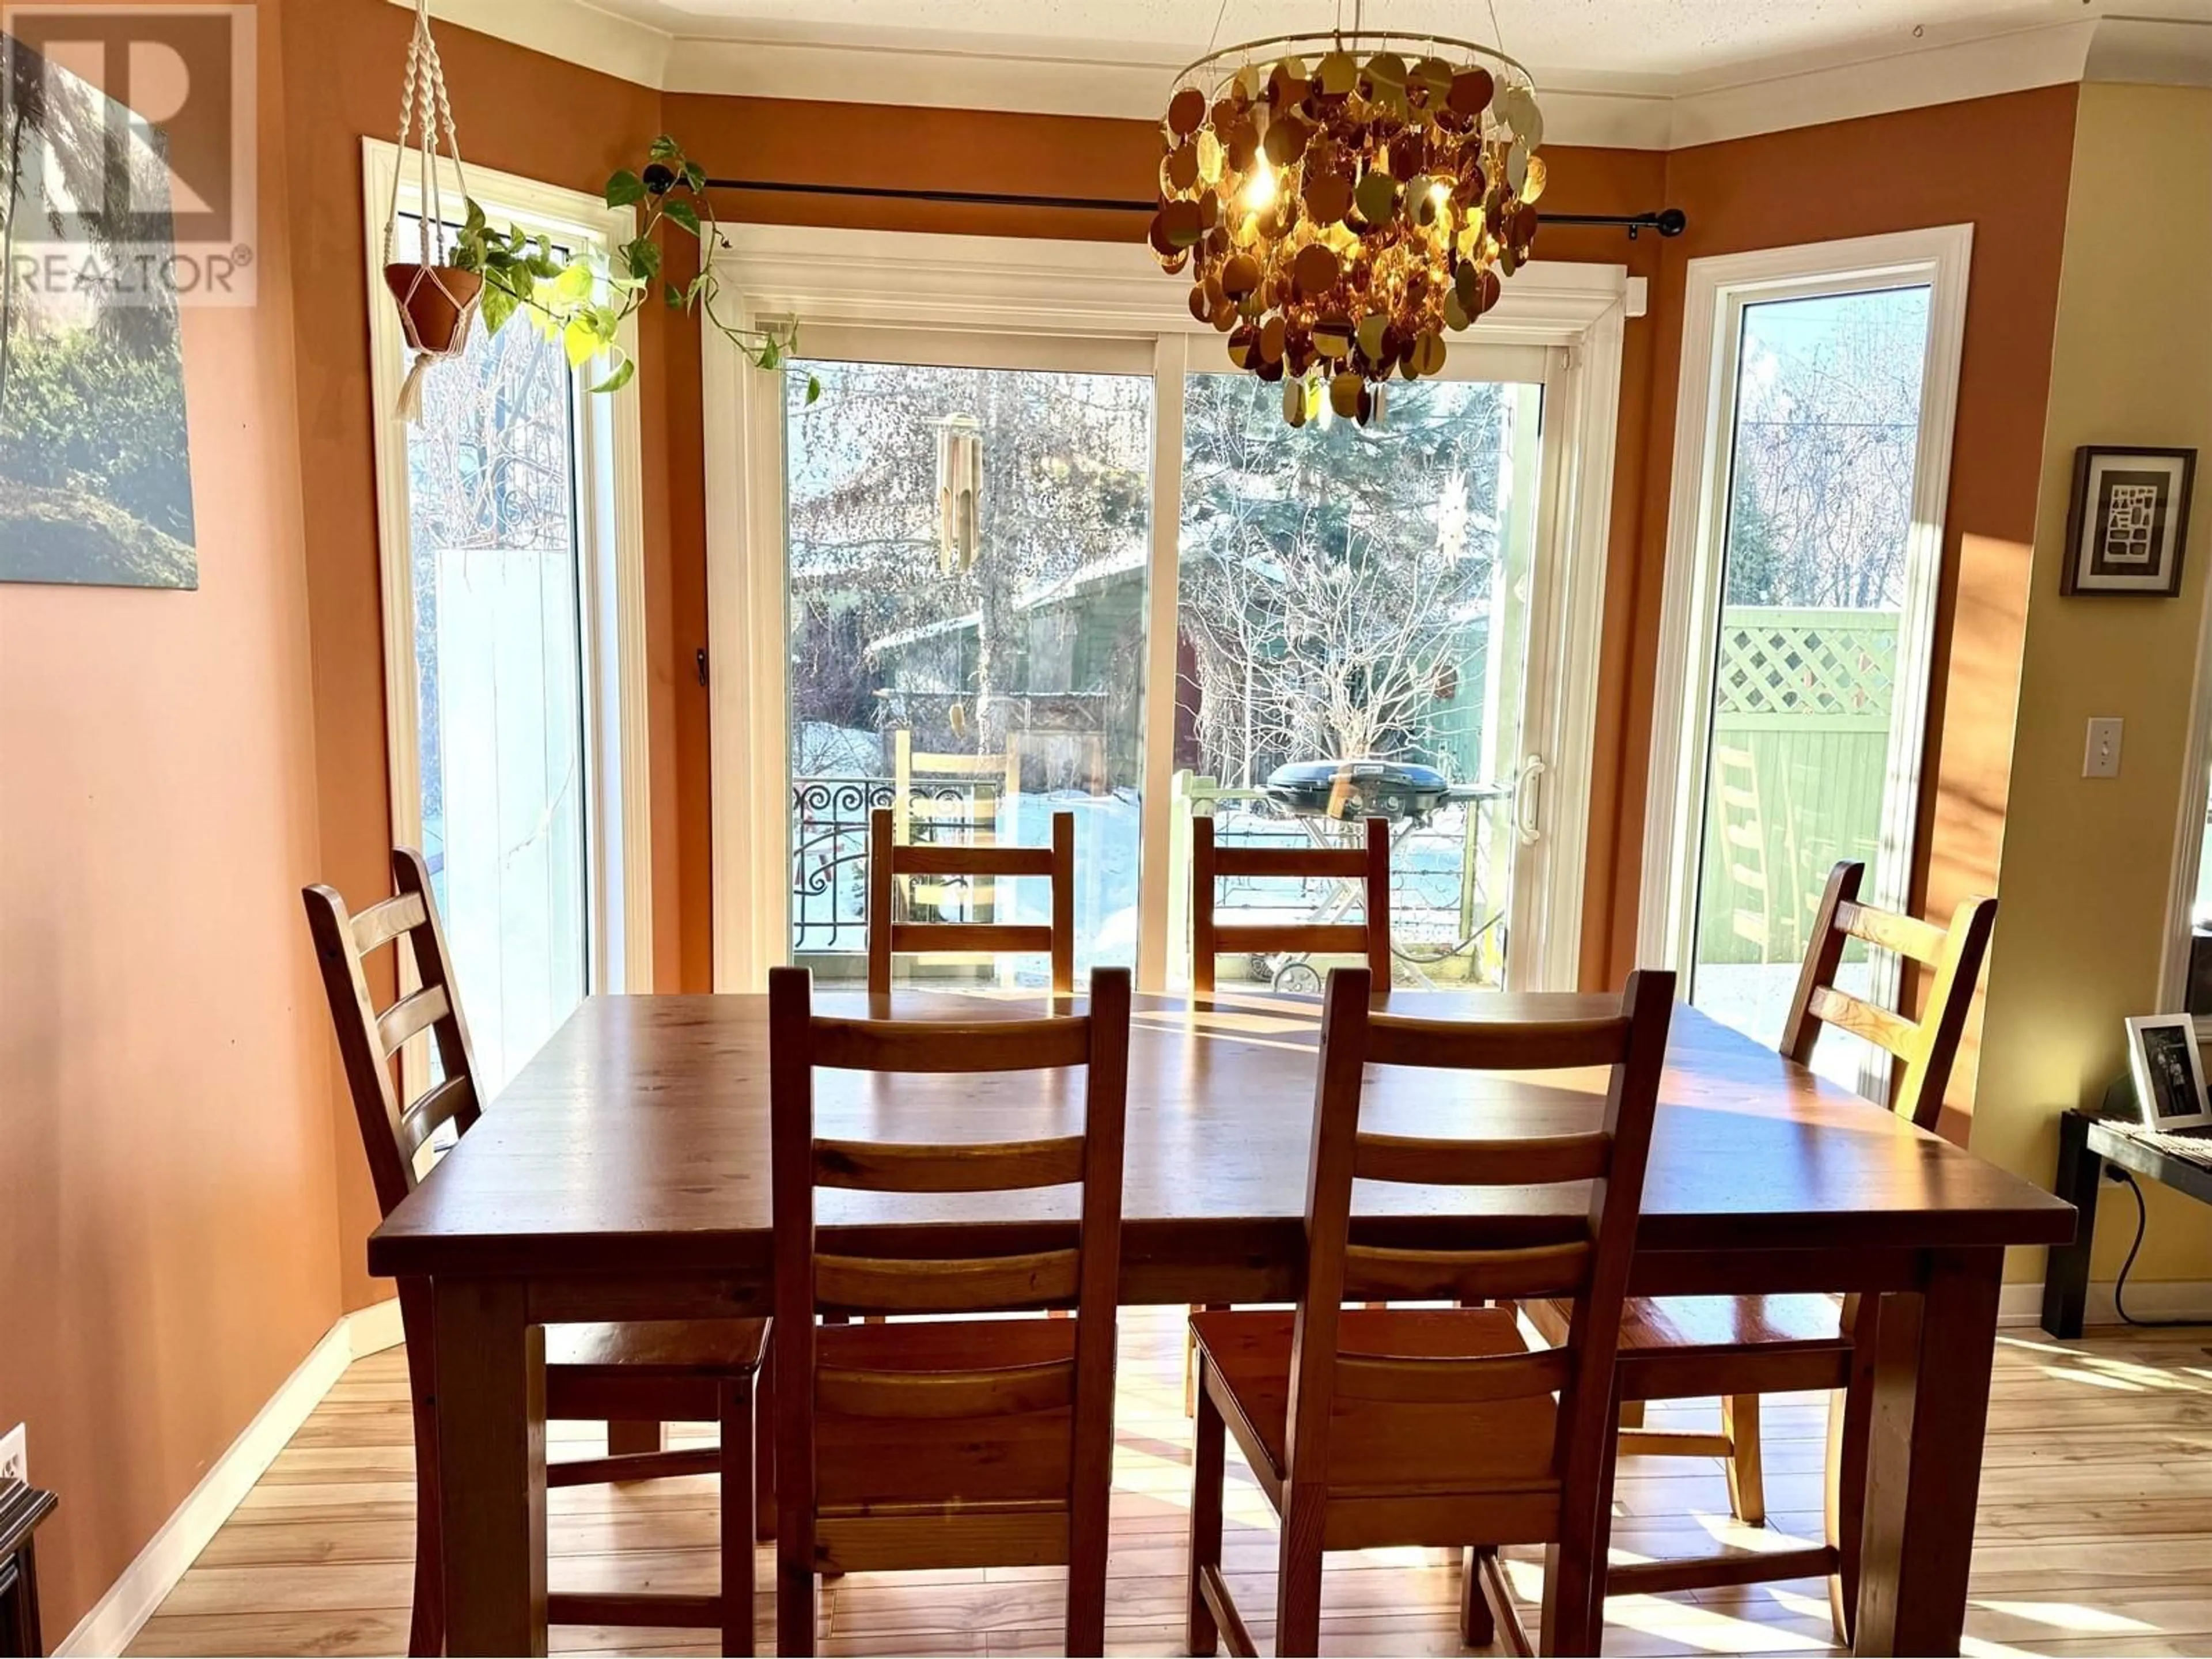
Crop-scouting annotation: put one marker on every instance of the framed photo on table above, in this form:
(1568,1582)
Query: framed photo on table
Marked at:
(2169,1074)
(2129,523)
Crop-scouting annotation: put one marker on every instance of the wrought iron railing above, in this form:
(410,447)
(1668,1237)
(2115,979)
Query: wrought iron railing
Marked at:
(829,856)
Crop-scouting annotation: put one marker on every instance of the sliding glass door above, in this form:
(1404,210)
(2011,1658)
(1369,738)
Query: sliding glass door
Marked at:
(966,574)
(974,580)
(1351,633)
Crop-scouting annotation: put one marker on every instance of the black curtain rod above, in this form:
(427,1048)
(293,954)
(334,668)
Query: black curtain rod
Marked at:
(1670,222)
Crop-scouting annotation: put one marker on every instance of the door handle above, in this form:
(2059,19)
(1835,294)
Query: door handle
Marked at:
(1525,800)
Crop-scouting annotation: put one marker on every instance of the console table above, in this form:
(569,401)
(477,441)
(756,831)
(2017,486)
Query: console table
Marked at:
(21,1509)
(2086,1145)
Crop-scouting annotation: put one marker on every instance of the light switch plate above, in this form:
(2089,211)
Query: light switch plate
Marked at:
(2101,759)
(15,1455)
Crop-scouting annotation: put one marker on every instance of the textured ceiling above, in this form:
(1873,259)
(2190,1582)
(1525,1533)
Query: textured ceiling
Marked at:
(1631,39)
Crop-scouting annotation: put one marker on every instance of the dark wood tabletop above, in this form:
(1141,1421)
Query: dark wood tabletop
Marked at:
(642,1125)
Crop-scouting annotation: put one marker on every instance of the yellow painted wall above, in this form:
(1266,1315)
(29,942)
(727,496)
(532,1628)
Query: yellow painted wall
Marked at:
(2086,863)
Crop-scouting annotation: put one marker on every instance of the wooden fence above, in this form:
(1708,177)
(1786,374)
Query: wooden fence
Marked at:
(1800,749)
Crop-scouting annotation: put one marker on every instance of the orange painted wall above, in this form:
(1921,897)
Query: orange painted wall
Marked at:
(167,1245)
(2000,164)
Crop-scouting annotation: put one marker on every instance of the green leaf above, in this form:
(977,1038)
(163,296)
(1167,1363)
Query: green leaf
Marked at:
(771,355)
(582,342)
(499,304)
(664,148)
(625,189)
(684,214)
(695,175)
(625,371)
(574,283)
(813,390)
(674,296)
(643,256)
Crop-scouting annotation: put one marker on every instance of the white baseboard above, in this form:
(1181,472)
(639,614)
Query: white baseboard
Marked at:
(2021,1304)
(115,1619)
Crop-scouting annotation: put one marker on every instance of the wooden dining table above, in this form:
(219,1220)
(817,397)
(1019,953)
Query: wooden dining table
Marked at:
(623,1175)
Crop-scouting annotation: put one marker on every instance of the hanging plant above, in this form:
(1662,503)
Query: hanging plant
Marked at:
(437,293)
(581,301)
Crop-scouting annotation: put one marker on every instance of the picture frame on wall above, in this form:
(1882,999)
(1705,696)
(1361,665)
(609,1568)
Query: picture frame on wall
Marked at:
(2128,525)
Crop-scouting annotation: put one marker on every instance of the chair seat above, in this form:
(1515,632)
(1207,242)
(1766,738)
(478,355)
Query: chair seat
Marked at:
(1375,1444)
(670,1369)
(1745,1344)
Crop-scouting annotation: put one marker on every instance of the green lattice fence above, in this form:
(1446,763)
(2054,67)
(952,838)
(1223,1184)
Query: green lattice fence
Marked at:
(1799,744)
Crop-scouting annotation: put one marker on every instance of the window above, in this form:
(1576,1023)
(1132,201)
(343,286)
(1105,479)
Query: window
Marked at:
(1164,604)
(967,550)
(503,533)
(1803,580)
(1350,641)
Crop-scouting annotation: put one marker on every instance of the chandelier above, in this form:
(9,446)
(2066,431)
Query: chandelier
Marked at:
(1342,199)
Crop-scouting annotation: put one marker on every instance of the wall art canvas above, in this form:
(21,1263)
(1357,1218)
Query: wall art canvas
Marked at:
(95,476)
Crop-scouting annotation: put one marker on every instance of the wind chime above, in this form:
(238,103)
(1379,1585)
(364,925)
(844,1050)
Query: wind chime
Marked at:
(437,300)
(959,493)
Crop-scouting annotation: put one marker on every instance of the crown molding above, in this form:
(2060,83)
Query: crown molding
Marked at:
(1629,113)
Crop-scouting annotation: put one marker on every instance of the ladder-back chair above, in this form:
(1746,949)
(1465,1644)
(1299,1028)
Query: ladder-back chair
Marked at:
(1742,1347)
(1370,1428)
(919,1443)
(889,858)
(630,1374)
(1369,865)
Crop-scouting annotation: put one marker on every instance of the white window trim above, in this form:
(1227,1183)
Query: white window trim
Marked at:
(1114,296)
(611,523)
(1718,289)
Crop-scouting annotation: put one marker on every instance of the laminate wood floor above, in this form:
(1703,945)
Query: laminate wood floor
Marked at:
(2095,1534)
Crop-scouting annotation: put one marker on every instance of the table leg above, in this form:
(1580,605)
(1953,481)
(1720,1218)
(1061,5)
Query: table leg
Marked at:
(2066,1274)
(491,1454)
(1935,1350)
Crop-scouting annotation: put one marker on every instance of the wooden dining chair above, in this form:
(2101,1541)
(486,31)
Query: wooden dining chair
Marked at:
(629,1374)
(968,1442)
(1376,1427)
(1369,865)
(1742,1347)
(888,935)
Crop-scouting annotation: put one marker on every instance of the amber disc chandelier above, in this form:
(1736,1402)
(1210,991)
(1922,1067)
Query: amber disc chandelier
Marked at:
(1342,199)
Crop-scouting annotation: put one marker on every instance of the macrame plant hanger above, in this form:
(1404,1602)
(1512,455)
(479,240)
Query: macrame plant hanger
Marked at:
(437,303)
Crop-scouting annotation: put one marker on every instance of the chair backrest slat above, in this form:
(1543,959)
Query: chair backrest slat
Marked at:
(1925,1049)
(988,1283)
(1591,1269)
(381,924)
(1486,1046)
(1908,936)
(413,1014)
(949,1045)
(1417,1381)
(1374,1272)
(1423,1161)
(1369,864)
(890,935)
(942,1394)
(393,1130)
(882,1166)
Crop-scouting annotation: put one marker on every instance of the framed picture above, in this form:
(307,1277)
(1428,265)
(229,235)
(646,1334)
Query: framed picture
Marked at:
(2128,522)
(2168,1071)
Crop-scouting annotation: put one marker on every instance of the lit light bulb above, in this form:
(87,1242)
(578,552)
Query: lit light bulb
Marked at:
(1259,189)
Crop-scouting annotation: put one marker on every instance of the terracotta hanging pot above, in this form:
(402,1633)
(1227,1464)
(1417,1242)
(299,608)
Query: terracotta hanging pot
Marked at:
(436,301)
